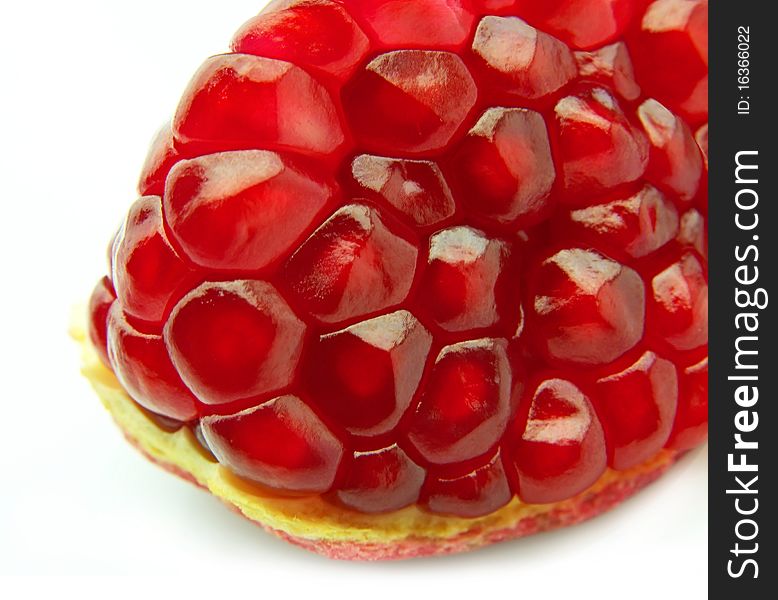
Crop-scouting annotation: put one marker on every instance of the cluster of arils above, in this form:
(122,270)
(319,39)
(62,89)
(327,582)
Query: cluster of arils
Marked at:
(431,252)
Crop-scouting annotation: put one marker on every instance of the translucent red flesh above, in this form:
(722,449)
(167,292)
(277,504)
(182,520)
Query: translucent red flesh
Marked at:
(295,452)
(409,101)
(442,24)
(416,188)
(245,101)
(581,23)
(380,481)
(674,32)
(442,253)
(503,169)
(367,375)
(467,283)
(319,35)
(466,405)
(143,366)
(234,341)
(474,493)
(588,309)
(561,450)
(240,211)
(147,271)
(637,406)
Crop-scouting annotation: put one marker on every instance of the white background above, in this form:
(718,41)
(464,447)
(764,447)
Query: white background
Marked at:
(83,87)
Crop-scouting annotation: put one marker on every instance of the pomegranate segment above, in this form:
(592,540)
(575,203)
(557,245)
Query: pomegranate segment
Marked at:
(479,492)
(504,167)
(520,61)
(637,406)
(675,162)
(296,452)
(242,211)
(636,226)
(234,341)
(366,376)
(314,34)
(238,101)
(466,403)
(409,101)
(691,420)
(562,449)
(381,481)
(441,24)
(351,266)
(375,223)
(416,188)
(147,271)
(143,367)
(679,305)
(599,147)
(588,309)
(470,281)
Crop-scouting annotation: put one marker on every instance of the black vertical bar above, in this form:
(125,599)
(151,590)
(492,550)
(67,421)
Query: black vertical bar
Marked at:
(743,552)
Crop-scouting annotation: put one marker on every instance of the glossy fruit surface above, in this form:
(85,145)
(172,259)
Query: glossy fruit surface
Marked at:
(441,253)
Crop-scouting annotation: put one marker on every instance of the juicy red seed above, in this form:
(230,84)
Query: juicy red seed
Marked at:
(381,481)
(316,34)
(466,403)
(443,24)
(588,309)
(679,305)
(675,32)
(675,162)
(147,271)
(478,492)
(518,60)
(561,451)
(610,66)
(353,265)
(582,23)
(224,209)
(160,159)
(637,406)
(143,367)
(366,376)
(295,452)
(634,226)
(100,303)
(691,420)
(242,101)
(504,167)
(234,341)
(409,101)
(599,147)
(416,188)
(469,282)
